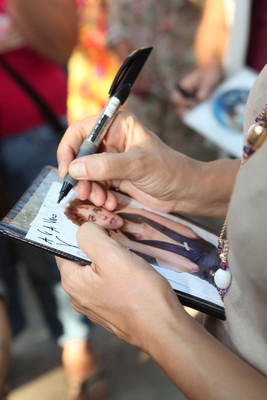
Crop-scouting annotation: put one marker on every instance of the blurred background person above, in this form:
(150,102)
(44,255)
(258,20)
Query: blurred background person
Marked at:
(231,35)
(5,328)
(5,345)
(169,27)
(36,41)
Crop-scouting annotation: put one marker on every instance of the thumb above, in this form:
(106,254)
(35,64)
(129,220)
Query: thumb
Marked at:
(98,246)
(104,166)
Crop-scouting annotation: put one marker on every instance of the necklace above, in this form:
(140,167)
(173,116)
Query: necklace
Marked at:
(257,133)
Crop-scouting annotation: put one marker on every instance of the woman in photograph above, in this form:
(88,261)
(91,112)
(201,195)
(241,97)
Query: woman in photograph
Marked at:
(159,240)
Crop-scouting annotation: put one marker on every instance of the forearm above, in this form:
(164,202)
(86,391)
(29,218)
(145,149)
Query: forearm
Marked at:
(209,188)
(49,27)
(210,48)
(200,366)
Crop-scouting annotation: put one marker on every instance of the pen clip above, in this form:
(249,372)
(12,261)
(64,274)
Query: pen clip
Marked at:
(128,72)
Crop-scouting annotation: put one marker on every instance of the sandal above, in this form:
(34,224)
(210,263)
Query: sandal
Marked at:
(93,388)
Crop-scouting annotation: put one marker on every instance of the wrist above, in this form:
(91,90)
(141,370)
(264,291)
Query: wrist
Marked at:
(150,327)
(170,337)
(188,187)
(206,190)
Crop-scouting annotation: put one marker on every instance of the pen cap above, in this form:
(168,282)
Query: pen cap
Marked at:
(129,71)
(123,93)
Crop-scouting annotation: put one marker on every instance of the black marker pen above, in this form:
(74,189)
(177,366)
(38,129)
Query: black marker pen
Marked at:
(189,94)
(119,92)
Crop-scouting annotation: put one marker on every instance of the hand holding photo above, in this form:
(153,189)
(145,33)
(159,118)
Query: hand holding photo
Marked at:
(162,241)
(184,253)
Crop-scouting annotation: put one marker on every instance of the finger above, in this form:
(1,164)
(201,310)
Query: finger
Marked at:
(97,237)
(185,92)
(180,102)
(99,247)
(105,167)
(96,193)
(73,277)
(124,134)
(64,264)
(104,198)
(205,90)
(78,132)
(71,143)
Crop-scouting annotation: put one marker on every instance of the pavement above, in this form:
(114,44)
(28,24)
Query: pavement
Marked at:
(36,370)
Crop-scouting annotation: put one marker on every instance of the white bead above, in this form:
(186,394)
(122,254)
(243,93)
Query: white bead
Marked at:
(222,278)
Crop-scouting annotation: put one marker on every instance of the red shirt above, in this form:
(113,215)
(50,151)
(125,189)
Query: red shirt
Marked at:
(18,112)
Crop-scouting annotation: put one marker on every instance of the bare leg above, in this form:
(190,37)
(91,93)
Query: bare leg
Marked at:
(81,367)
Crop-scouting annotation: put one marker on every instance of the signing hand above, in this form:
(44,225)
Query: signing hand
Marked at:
(133,159)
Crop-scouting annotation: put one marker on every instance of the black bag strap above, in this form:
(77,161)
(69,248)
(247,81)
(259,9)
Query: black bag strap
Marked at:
(47,112)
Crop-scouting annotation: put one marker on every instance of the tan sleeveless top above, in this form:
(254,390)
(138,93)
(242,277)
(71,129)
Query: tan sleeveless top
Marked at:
(245,328)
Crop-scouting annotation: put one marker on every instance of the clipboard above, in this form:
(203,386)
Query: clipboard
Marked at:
(38,220)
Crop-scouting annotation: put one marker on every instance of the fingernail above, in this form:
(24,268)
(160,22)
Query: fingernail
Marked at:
(77,170)
(61,171)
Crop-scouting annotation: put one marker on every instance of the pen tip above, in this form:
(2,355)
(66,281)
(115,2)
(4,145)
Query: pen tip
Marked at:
(61,195)
(66,187)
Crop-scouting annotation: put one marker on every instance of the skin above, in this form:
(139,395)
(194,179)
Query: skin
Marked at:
(201,81)
(55,43)
(50,27)
(108,299)
(197,363)
(209,50)
(100,216)
(199,188)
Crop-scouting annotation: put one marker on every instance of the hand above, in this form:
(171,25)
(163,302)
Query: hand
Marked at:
(124,294)
(117,285)
(200,82)
(134,160)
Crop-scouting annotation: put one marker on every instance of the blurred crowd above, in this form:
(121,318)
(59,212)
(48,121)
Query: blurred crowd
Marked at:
(57,61)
